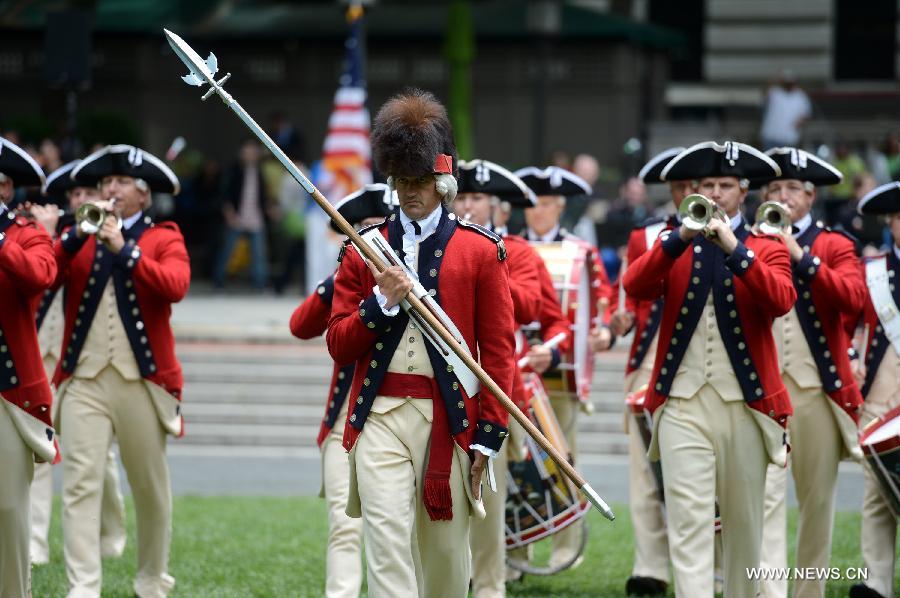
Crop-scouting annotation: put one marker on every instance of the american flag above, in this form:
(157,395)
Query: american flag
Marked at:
(347,156)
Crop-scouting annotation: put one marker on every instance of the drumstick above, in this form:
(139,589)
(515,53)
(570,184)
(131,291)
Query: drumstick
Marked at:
(864,345)
(548,345)
(621,307)
(602,306)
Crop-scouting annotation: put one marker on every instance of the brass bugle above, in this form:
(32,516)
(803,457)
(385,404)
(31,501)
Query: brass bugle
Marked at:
(90,216)
(696,212)
(772,218)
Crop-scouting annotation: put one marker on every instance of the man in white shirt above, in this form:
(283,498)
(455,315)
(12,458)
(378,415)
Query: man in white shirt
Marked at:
(787,108)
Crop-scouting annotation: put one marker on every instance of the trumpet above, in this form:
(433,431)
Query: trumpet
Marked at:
(90,216)
(696,212)
(773,218)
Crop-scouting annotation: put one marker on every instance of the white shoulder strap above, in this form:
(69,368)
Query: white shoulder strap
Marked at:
(469,381)
(651,233)
(878,281)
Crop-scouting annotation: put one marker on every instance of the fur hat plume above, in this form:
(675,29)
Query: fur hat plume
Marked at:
(410,134)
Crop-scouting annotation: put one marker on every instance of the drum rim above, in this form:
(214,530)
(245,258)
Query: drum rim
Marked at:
(876,424)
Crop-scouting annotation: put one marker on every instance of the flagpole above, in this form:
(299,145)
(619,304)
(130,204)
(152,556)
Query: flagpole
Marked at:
(204,72)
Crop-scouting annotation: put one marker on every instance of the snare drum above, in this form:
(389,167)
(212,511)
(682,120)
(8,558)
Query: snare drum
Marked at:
(541,500)
(571,267)
(880,443)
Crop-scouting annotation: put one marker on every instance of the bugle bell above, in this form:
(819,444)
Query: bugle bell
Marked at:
(772,218)
(90,216)
(696,212)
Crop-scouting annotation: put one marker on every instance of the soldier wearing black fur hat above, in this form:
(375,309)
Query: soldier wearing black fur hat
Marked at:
(418,430)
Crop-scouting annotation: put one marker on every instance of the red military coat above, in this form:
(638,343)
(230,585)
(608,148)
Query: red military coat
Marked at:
(751,288)
(647,314)
(150,274)
(464,268)
(830,288)
(27,268)
(308,321)
(877,343)
(525,290)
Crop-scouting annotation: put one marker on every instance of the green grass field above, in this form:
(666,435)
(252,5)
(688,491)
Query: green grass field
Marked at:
(275,547)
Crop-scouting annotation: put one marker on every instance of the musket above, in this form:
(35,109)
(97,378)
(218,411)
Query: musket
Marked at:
(202,72)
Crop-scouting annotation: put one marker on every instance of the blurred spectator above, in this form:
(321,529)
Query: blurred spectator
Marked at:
(787,108)
(244,208)
(867,228)
(886,165)
(577,215)
(562,159)
(628,210)
(50,157)
(292,200)
(851,166)
(287,136)
(208,194)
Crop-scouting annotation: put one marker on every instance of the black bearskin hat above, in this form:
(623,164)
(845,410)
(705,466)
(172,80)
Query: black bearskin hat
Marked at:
(410,134)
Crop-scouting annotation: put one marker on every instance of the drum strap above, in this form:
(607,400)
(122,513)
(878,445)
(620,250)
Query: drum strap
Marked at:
(878,281)
(651,233)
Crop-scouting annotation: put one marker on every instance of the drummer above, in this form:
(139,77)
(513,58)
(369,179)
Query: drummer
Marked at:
(482,189)
(552,186)
(650,571)
(880,378)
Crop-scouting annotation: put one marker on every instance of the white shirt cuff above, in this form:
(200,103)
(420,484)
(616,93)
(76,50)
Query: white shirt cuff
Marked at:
(487,452)
(382,301)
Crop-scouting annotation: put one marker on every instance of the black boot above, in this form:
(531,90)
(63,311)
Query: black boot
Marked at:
(645,586)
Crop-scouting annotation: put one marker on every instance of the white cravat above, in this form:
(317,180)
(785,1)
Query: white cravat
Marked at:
(802,224)
(127,223)
(549,237)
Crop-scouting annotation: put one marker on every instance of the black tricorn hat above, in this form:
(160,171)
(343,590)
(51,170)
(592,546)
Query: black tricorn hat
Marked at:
(412,136)
(130,161)
(651,173)
(19,166)
(709,159)
(802,166)
(482,176)
(553,180)
(60,180)
(881,200)
(376,200)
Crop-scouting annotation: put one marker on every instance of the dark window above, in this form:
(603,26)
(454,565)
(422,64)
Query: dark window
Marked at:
(687,17)
(865,39)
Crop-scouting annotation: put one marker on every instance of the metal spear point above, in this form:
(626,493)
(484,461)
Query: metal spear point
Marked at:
(202,72)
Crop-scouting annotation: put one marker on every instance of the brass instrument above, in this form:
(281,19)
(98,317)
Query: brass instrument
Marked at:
(773,218)
(696,212)
(90,216)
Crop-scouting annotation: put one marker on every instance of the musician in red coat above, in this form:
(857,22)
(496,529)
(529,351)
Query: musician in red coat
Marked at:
(343,560)
(718,403)
(409,400)
(552,185)
(118,375)
(49,319)
(650,571)
(482,186)
(27,268)
(880,379)
(812,348)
